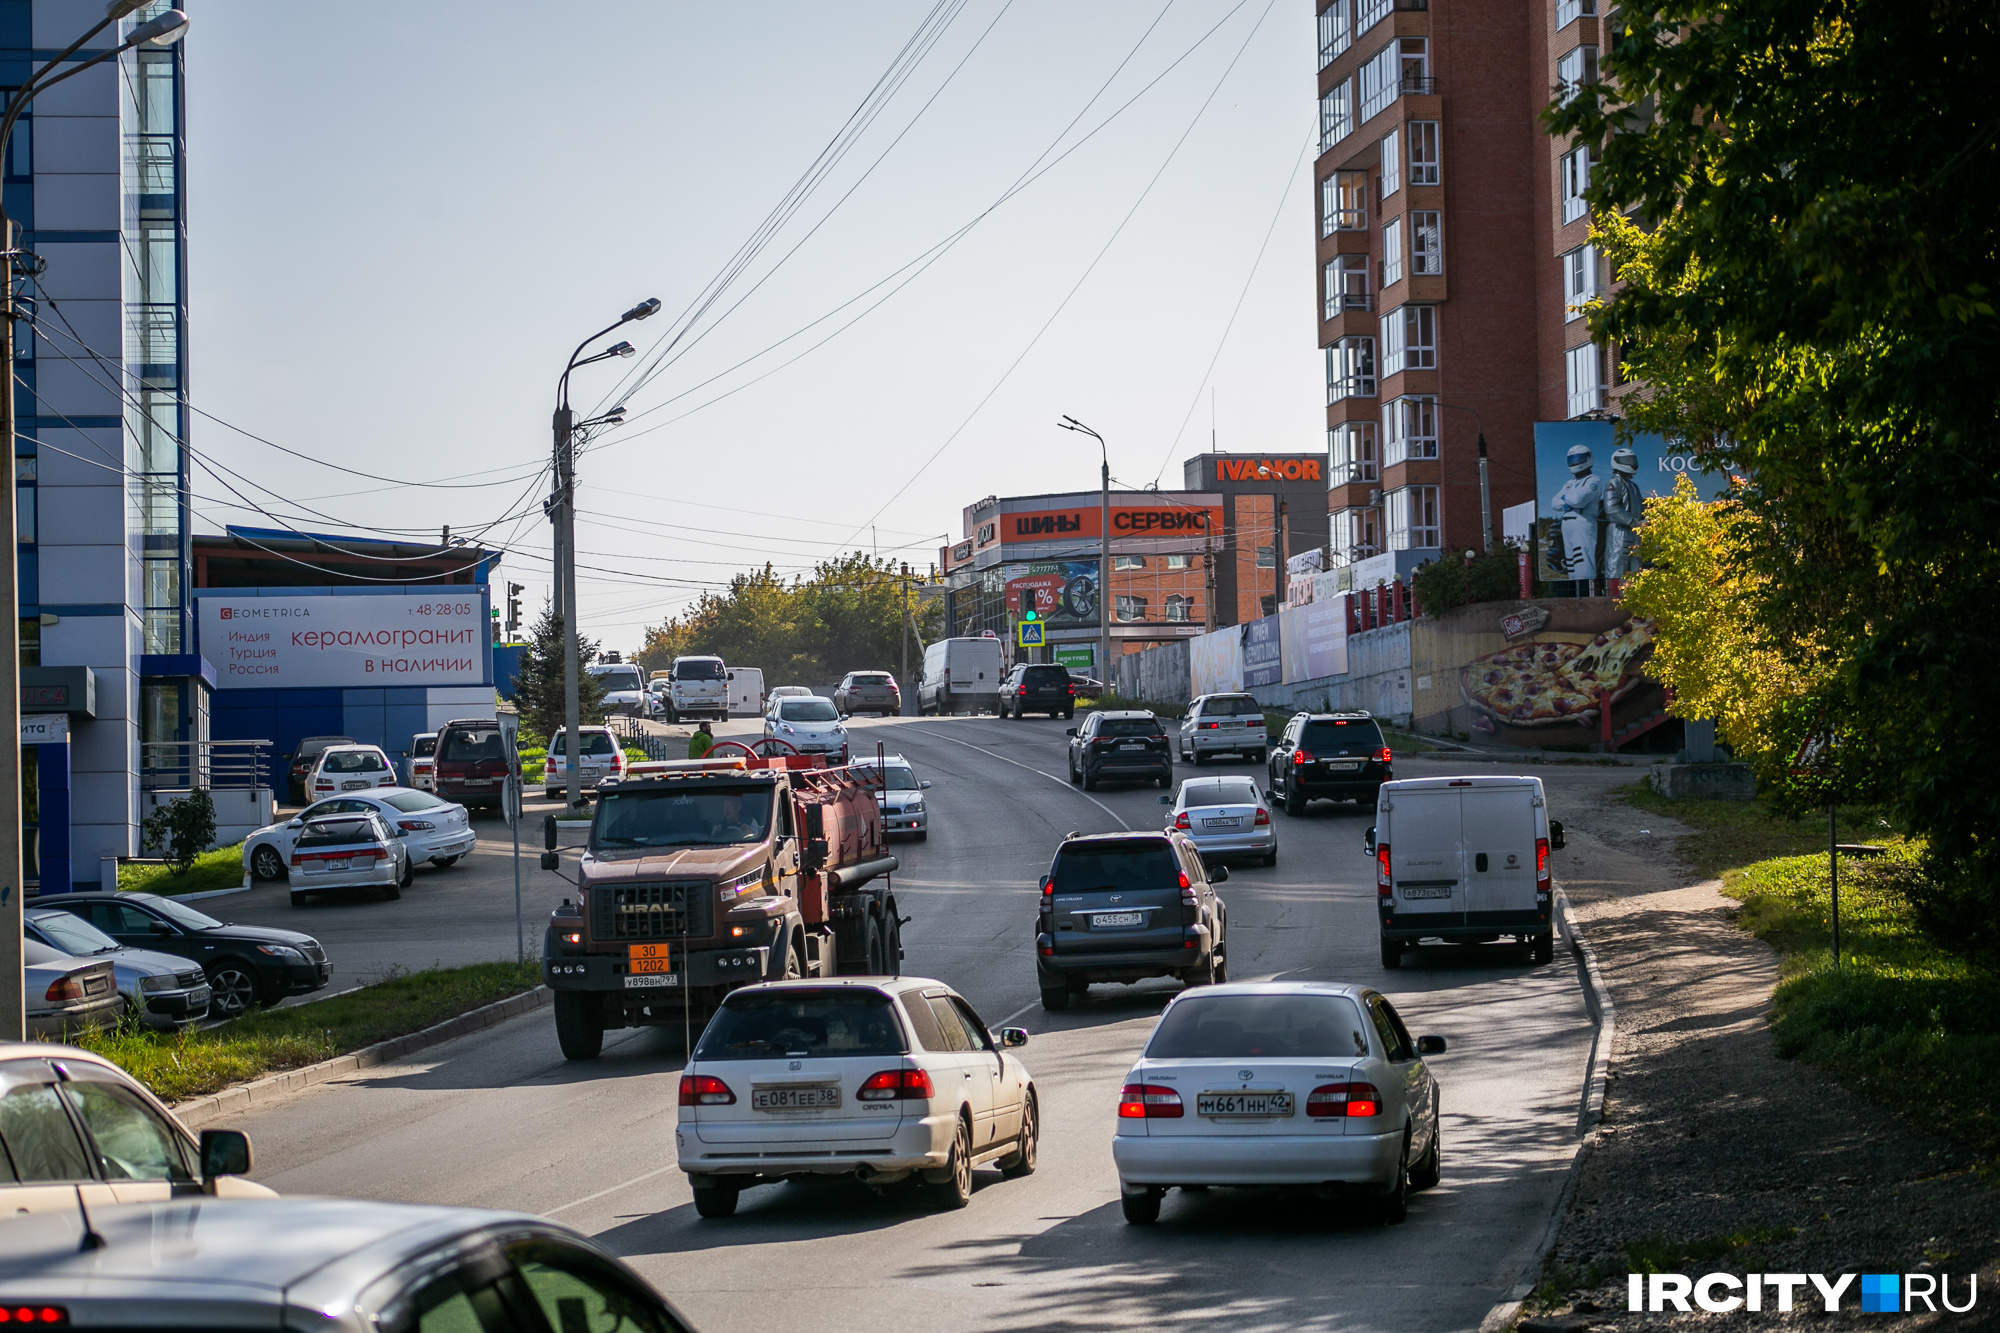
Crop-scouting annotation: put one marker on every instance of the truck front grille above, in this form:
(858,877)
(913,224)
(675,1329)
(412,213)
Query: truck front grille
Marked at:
(676,909)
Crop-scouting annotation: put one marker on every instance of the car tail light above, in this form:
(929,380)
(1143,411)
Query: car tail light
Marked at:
(1329,1100)
(1302,756)
(1072,691)
(1022,692)
(705,1090)
(1210,726)
(34,1314)
(66,988)
(1542,884)
(1048,886)
(1187,890)
(1263,815)
(1148,1101)
(1181,820)
(1382,884)
(898,1085)
(1382,756)
(415,825)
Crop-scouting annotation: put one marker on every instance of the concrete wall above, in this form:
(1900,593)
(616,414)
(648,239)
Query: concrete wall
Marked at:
(1157,675)
(1377,679)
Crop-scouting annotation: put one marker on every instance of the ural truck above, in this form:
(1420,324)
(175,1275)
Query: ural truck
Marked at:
(705,875)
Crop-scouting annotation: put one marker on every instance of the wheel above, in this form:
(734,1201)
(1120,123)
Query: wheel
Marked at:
(1141,1209)
(892,950)
(793,968)
(873,937)
(551,794)
(1022,1162)
(391,892)
(1392,953)
(1194,758)
(1221,969)
(266,864)
(1430,1167)
(955,1190)
(1055,1000)
(1271,858)
(1166,782)
(298,899)
(923,835)
(1545,947)
(1068,713)
(715,1200)
(445,862)
(1295,803)
(1073,778)
(409,874)
(1257,756)
(233,988)
(1089,781)
(1201,974)
(1395,1205)
(580,1025)
(673,718)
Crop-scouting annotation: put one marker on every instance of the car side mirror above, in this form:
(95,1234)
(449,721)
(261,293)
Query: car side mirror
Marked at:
(162,928)
(548,836)
(1270,797)
(1070,731)
(1430,1045)
(1556,840)
(296,823)
(1370,837)
(1217,875)
(551,860)
(1166,800)
(224,1152)
(1013,1036)
(923,786)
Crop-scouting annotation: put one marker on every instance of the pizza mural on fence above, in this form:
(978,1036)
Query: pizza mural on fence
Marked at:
(1558,680)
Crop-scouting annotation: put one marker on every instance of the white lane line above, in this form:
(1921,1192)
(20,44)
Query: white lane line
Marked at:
(1018,1012)
(593,1198)
(1065,782)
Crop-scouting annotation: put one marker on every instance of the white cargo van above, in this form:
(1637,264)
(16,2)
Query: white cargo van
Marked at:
(961,676)
(1463,860)
(697,687)
(746,691)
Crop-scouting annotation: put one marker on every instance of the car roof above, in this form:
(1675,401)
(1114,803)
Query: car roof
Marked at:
(821,697)
(1358,715)
(887,759)
(354,745)
(1353,990)
(1123,836)
(888,985)
(328,740)
(1126,712)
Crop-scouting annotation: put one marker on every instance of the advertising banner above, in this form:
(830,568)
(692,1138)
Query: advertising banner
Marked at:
(1086,521)
(1065,592)
(1215,662)
(1314,639)
(1590,493)
(344,642)
(1263,652)
(1082,658)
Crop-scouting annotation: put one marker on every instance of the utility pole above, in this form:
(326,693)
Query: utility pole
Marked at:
(1104,601)
(903,681)
(1208,580)
(1284,544)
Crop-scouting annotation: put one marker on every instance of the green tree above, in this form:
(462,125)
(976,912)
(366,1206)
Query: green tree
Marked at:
(538,687)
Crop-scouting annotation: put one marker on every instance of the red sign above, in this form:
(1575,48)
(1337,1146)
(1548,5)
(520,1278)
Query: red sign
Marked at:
(1126,521)
(1267,469)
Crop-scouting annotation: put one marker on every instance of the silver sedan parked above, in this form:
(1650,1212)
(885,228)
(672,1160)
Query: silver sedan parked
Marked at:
(1225,817)
(160,990)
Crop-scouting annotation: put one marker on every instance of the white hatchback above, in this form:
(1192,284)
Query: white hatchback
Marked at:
(344,768)
(1279,1084)
(810,725)
(872,1077)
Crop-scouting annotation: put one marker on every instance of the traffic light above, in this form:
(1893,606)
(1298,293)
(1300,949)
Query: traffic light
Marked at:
(1030,600)
(514,591)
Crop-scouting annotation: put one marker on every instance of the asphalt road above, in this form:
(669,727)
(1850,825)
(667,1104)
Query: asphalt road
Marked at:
(500,1120)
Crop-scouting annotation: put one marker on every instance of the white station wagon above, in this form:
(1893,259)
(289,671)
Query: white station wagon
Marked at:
(875,1077)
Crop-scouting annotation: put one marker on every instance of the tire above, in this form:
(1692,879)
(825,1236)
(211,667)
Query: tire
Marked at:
(1203,974)
(1394,1207)
(266,864)
(715,1200)
(445,862)
(233,987)
(391,892)
(1221,969)
(1392,954)
(1295,804)
(1257,757)
(551,794)
(1270,858)
(1430,1168)
(1544,947)
(673,718)
(874,946)
(1166,781)
(1194,758)
(892,949)
(1068,713)
(1073,778)
(955,1190)
(1141,1210)
(580,1027)
(1022,1163)
(1055,1000)
(298,899)
(409,874)
(1089,782)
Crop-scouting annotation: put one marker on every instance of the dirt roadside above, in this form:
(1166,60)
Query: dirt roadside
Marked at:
(1709,1138)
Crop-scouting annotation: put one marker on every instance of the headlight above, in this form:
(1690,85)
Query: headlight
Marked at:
(786,727)
(913,808)
(165,982)
(282,953)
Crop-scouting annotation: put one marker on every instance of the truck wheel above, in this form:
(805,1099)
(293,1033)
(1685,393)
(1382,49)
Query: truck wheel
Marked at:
(715,1200)
(1545,947)
(1392,953)
(580,1031)
(877,964)
(955,1190)
(893,948)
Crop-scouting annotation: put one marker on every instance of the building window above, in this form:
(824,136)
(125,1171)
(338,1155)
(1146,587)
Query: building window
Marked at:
(1403,66)
(24,515)
(31,644)
(1345,279)
(1128,562)
(1575,69)
(1332,32)
(1177,606)
(1177,562)
(1427,242)
(1575,173)
(1350,449)
(1392,252)
(1411,519)
(1371,13)
(1350,369)
(1267,557)
(1409,429)
(1569,11)
(1423,136)
(1336,116)
(1579,280)
(1131,608)
(1357,533)
(1392,163)
(1343,202)
(1584,368)
(1409,339)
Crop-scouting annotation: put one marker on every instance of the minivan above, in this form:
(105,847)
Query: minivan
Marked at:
(961,675)
(746,691)
(471,762)
(698,688)
(1465,861)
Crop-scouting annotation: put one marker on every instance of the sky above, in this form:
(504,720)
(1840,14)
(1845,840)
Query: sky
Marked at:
(401,226)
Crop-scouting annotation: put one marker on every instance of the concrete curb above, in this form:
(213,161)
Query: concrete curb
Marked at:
(211,893)
(200,1111)
(1597,1000)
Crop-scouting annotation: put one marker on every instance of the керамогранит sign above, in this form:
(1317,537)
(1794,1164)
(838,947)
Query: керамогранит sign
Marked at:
(345,642)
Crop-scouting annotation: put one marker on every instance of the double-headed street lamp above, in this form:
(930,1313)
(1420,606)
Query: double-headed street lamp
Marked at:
(1103,558)
(164,30)
(562,512)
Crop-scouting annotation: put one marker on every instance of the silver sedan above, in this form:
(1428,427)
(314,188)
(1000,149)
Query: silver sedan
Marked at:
(1225,817)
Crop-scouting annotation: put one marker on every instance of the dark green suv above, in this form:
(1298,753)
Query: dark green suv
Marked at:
(1336,756)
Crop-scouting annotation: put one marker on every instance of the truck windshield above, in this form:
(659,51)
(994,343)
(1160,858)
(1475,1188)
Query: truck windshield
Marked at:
(703,817)
(709,670)
(625,678)
(758,1026)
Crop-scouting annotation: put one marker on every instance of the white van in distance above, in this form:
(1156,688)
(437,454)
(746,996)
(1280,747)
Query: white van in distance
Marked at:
(1464,860)
(698,687)
(961,676)
(746,691)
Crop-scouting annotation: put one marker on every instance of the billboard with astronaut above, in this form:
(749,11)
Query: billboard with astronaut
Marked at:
(1590,493)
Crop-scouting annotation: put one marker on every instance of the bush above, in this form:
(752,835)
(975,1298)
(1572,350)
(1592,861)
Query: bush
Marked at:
(1450,581)
(182,828)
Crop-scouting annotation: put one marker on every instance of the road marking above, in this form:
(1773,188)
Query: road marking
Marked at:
(1018,1012)
(593,1198)
(1031,768)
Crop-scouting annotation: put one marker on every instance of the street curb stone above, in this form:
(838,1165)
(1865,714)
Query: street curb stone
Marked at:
(199,1111)
(1597,1001)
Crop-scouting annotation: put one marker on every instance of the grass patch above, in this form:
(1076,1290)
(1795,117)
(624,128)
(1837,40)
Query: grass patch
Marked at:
(194,1063)
(219,869)
(1730,835)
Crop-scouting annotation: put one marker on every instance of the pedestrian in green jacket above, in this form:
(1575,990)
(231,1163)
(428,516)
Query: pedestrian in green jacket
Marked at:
(701,742)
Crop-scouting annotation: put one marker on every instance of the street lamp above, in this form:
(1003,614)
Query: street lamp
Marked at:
(164,30)
(562,512)
(1485,495)
(1103,557)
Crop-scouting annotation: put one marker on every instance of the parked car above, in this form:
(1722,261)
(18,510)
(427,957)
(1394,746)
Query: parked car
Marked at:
(246,965)
(1087,687)
(624,691)
(868,692)
(159,990)
(1464,860)
(871,1076)
(356,851)
(811,725)
(471,763)
(1223,724)
(1337,756)
(1124,746)
(435,831)
(1127,906)
(1224,817)
(1291,1083)
(598,755)
(303,760)
(423,761)
(347,1265)
(1038,688)
(344,768)
(901,797)
(65,995)
(135,1152)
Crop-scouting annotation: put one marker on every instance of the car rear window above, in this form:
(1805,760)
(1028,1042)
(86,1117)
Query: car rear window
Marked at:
(409,802)
(334,832)
(1218,791)
(424,746)
(469,745)
(1085,867)
(355,761)
(1130,726)
(1236,1027)
(767,1025)
(873,678)
(590,744)
(1046,677)
(1232,705)
(699,671)
(1358,734)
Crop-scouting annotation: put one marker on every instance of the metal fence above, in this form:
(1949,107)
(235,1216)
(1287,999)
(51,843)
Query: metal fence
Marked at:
(216,765)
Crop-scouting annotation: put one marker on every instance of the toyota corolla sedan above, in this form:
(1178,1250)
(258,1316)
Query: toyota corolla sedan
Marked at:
(811,726)
(1225,817)
(1279,1084)
(872,1077)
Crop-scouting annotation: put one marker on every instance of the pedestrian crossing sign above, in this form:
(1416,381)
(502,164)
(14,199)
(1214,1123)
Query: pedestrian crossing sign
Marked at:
(1029,633)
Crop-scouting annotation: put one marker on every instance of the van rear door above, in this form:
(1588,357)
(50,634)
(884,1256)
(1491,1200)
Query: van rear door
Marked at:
(1499,824)
(1425,856)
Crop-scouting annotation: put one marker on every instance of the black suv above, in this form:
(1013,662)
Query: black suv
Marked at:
(1340,756)
(1038,689)
(1129,745)
(1126,906)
